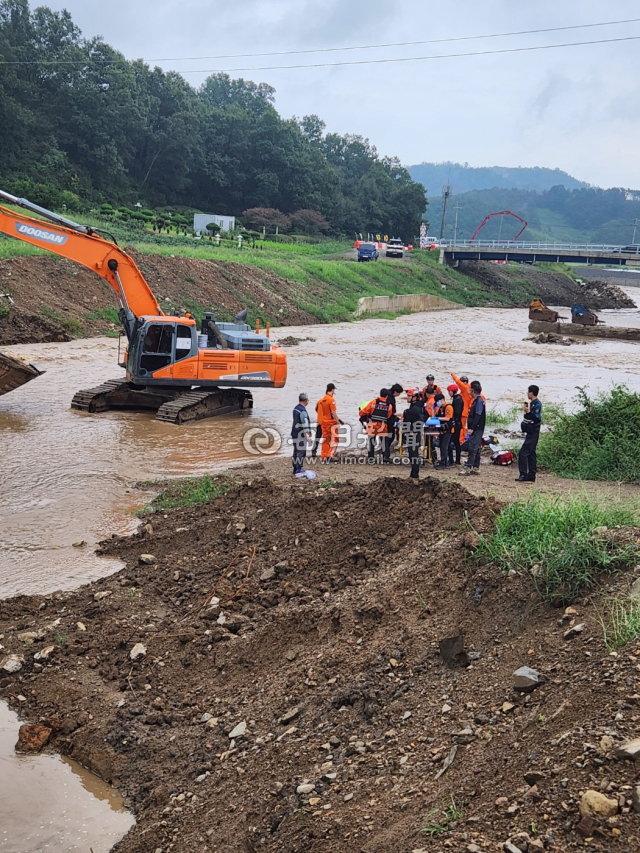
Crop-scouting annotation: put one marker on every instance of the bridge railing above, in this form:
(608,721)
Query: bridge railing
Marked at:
(524,245)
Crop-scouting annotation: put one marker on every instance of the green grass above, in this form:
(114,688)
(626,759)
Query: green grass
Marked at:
(621,622)
(496,417)
(188,492)
(440,820)
(4,311)
(599,442)
(553,539)
(110,315)
(13,248)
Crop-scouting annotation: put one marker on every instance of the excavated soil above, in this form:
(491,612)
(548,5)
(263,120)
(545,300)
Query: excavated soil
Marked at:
(552,288)
(307,617)
(56,299)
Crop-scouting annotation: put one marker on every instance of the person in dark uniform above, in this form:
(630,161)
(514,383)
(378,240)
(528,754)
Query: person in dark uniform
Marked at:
(300,433)
(412,432)
(458,409)
(445,416)
(387,441)
(475,425)
(527,458)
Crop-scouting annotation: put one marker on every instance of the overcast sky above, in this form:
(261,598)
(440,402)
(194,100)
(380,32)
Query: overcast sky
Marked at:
(576,108)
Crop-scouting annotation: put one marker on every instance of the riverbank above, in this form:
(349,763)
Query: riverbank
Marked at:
(264,673)
(54,299)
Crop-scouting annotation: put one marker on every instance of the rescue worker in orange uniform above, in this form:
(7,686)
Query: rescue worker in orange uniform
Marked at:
(378,413)
(329,421)
(464,389)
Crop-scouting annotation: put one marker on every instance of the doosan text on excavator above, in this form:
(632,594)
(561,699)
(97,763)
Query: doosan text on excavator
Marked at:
(171,368)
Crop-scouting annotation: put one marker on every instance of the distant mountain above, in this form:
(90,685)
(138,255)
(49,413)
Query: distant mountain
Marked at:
(463,178)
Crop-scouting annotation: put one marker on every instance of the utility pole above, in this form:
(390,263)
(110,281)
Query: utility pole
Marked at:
(455,227)
(446,193)
(635,225)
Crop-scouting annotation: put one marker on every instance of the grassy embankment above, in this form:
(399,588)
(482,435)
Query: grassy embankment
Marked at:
(329,282)
(566,544)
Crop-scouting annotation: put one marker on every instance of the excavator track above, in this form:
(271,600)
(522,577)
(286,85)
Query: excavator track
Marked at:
(198,404)
(172,406)
(96,399)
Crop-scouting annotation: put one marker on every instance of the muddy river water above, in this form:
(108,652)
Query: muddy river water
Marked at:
(67,477)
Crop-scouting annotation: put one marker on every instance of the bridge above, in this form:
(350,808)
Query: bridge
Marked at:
(524,252)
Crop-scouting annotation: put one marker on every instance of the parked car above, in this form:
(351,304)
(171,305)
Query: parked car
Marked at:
(368,252)
(395,249)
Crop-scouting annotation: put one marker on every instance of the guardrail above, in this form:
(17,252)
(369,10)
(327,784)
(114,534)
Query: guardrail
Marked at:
(540,246)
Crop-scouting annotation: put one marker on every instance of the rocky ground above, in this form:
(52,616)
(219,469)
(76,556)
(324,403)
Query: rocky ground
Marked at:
(266,673)
(554,288)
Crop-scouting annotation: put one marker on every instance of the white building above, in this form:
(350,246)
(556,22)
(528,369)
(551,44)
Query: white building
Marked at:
(201,220)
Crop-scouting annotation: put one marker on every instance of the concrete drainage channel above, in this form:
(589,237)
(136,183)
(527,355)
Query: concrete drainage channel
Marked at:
(52,803)
(414,302)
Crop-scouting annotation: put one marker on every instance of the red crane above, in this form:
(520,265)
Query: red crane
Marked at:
(500,213)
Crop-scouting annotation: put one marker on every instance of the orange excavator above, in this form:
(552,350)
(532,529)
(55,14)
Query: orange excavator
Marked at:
(181,372)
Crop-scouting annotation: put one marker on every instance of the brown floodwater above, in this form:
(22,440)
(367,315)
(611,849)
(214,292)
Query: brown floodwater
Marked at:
(52,804)
(68,476)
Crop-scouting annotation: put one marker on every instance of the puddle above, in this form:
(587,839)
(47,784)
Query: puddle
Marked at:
(53,804)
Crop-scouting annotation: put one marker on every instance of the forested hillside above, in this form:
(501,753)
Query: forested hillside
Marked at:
(80,124)
(588,214)
(463,177)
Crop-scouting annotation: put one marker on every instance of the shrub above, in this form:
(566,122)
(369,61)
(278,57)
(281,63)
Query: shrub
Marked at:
(266,217)
(558,543)
(599,442)
(309,221)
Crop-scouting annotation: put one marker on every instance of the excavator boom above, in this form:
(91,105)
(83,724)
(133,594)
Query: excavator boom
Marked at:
(170,368)
(80,243)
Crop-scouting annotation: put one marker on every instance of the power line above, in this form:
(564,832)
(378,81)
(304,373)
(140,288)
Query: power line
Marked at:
(329,49)
(412,58)
(397,44)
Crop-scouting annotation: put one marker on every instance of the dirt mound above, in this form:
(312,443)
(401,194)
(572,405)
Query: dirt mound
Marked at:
(56,299)
(553,288)
(265,674)
(20,327)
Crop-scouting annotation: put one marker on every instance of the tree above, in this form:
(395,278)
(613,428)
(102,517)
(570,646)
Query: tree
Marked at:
(77,117)
(309,222)
(266,217)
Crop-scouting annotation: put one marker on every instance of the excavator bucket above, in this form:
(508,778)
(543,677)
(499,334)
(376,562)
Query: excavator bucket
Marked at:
(14,373)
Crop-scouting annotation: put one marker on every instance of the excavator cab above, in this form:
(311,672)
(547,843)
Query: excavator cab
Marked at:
(160,343)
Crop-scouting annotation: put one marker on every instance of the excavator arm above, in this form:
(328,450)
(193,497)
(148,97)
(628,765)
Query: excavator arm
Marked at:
(81,244)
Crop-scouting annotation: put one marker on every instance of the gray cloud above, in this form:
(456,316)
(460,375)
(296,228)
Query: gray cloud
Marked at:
(575,108)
